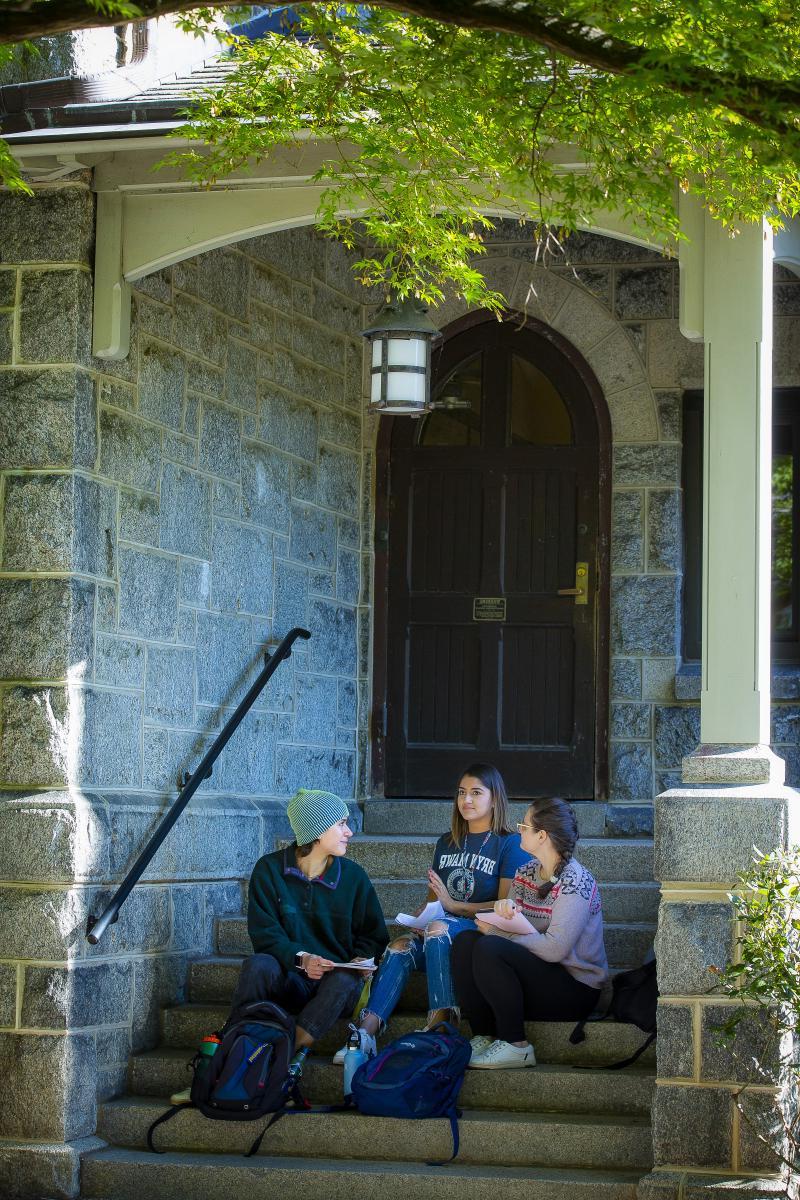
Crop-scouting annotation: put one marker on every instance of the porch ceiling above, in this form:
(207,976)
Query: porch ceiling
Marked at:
(148,219)
(151,218)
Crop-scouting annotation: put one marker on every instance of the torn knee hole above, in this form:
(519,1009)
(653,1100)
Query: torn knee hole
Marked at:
(436,929)
(401,946)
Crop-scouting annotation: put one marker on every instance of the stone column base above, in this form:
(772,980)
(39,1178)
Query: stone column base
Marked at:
(734,764)
(733,799)
(43,1169)
(679,1185)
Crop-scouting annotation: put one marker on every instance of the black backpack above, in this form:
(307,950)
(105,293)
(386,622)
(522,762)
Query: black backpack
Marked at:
(248,1076)
(634,1001)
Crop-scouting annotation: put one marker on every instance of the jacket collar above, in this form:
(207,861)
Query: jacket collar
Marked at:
(329,878)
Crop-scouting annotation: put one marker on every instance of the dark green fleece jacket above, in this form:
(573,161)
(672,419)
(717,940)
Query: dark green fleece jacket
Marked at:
(336,915)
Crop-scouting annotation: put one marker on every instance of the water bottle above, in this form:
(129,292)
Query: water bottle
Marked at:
(208,1048)
(353,1059)
(296,1064)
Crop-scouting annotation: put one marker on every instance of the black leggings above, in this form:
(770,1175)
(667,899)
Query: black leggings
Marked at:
(500,985)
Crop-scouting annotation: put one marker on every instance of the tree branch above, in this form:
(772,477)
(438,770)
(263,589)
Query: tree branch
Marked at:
(762,101)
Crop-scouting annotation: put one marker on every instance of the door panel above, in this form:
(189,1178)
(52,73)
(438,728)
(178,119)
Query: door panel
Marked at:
(539,530)
(537,686)
(443,685)
(446,531)
(501,515)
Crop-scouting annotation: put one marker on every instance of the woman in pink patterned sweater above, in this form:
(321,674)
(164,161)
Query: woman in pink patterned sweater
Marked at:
(556,971)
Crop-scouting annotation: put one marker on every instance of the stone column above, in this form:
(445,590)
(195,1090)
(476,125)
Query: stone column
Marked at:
(73,812)
(737,471)
(733,795)
(48,595)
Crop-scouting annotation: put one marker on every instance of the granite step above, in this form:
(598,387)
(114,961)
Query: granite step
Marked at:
(215,978)
(627,943)
(118,1174)
(185,1024)
(489,1138)
(609,859)
(548,1088)
(622,903)
(595,818)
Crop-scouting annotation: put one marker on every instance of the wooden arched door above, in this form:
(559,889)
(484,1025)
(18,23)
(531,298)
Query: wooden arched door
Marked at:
(491,510)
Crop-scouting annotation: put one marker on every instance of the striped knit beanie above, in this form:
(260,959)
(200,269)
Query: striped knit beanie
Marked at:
(311,813)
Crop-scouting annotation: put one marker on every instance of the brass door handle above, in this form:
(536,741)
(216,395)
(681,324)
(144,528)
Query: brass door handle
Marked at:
(581,589)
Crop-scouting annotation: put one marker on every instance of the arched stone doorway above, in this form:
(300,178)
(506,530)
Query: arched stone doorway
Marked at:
(488,514)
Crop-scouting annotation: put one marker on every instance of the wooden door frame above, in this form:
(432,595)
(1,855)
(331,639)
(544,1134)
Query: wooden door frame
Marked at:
(383,448)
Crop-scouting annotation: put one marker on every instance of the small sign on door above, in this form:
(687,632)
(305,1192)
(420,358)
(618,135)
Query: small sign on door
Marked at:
(489,608)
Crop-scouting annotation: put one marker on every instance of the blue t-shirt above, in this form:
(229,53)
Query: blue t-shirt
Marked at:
(474,871)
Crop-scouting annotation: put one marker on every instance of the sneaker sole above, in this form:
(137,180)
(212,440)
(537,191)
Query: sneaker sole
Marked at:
(506,1066)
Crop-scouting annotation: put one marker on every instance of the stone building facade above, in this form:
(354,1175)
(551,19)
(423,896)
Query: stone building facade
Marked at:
(168,517)
(204,493)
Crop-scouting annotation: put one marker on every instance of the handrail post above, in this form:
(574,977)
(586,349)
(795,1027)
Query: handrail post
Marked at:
(96,927)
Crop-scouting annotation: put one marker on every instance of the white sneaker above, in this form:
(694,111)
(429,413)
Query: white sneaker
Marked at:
(182,1097)
(504,1056)
(368,1046)
(478,1044)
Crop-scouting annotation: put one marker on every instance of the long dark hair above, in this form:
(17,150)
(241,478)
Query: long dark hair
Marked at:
(558,820)
(491,778)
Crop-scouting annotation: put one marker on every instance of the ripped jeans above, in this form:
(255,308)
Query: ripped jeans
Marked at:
(431,954)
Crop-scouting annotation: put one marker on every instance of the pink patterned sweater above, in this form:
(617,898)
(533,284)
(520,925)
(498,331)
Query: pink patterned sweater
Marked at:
(567,923)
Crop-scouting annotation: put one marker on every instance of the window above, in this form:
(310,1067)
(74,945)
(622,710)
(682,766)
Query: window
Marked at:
(785,525)
(539,416)
(457,426)
(530,409)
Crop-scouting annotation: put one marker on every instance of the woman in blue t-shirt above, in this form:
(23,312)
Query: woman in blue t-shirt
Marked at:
(473,865)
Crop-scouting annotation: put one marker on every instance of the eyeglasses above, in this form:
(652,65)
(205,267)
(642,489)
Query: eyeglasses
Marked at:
(521,825)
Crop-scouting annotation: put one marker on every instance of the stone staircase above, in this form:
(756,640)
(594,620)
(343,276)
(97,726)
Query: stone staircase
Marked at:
(567,1129)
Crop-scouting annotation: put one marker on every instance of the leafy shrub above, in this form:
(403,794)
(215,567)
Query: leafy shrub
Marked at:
(761,1033)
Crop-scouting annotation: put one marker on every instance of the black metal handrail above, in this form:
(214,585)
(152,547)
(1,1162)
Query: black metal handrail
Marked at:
(95,928)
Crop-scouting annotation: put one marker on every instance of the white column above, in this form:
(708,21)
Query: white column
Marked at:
(737,471)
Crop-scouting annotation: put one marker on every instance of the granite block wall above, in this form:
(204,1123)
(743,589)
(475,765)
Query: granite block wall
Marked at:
(210,488)
(232,436)
(719,1108)
(165,520)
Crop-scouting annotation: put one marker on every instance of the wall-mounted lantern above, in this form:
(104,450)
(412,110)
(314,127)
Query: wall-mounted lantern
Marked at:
(400,336)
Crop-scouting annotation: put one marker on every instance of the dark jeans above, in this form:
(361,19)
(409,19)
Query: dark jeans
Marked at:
(501,985)
(317,1003)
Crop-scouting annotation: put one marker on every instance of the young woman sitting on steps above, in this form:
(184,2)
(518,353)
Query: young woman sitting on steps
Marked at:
(554,973)
(473,865)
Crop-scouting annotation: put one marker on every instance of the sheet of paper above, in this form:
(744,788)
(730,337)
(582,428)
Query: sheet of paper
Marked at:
(368,964)
(515,924)
(431,912)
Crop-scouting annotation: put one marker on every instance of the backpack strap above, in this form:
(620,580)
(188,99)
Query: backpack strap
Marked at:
(626,1062)
(301,1106)
(167,1116)
(578,1034)
(453,1116)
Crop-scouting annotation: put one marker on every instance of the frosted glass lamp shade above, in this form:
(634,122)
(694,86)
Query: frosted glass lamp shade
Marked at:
(401,337)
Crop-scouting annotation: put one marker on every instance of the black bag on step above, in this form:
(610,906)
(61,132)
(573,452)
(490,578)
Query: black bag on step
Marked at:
(634,1001)
(248,1076)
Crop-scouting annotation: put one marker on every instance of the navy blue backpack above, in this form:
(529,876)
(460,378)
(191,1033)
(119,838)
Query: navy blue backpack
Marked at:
(416,1076)
(248,1078)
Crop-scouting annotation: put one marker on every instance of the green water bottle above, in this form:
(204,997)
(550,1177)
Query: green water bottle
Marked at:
(208,1048)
